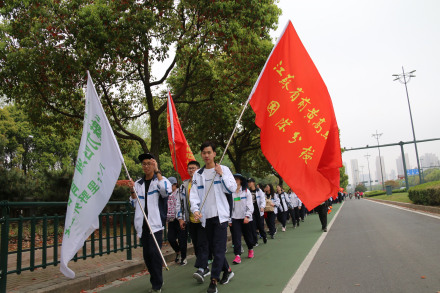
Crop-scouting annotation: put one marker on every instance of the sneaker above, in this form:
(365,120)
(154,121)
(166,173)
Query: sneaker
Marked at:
(256,244)
(227,276)
(177,260)
(212,287)
(183,262)
(206,272)
(325,229)
(199,276)
(283,229)
(251,253)
(237,260)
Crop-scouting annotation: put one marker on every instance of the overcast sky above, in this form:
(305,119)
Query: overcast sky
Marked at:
(357,46)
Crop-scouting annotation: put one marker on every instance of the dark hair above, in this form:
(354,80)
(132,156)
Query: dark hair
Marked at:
(193,163)
(207,144)
(272,192)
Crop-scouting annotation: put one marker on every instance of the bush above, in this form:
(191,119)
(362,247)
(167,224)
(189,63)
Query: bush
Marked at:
(425,194)
(374,193)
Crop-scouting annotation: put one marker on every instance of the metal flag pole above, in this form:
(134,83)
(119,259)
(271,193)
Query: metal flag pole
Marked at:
(227,145)
(146,219)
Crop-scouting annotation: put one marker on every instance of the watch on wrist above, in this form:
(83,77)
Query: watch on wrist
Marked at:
(157,172)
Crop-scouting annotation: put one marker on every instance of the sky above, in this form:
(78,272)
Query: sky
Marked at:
(357,46)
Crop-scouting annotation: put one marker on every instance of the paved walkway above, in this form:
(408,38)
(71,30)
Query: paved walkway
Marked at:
(94,273)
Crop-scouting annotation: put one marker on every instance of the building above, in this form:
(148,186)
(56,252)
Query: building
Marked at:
(429,160)
(378,174)
(354,172)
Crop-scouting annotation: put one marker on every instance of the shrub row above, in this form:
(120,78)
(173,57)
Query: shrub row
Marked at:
(426,194)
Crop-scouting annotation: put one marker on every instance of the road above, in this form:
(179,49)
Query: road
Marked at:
(370,247)
(373,247)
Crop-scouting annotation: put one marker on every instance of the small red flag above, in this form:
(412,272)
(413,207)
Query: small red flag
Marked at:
(177,141)
(299,134)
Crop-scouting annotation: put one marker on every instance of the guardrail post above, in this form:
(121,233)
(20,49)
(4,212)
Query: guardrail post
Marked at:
(128,230)
(4,245)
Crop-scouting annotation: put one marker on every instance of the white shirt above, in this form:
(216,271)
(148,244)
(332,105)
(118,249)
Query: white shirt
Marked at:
(211,203)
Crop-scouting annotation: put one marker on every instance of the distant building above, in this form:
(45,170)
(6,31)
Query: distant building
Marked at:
(354,172)
(378,174)
(429,160)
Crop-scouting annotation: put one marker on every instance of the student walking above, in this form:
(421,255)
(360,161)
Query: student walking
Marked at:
(177,237)
(259,203)
(214,181)
(196,231)
(153,190)
(242,209)
(270,209)
(282,207)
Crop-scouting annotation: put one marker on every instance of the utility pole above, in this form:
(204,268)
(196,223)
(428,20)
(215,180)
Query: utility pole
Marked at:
(376,136)
(404,78)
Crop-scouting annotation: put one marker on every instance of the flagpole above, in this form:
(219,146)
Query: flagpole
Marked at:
(227,145)
(145,217)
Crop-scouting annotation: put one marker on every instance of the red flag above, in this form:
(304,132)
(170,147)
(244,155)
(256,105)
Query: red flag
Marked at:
(177,141)
(299,134)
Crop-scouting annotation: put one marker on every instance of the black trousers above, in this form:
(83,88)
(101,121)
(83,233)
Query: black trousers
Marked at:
(178,238)
(322,212)
(217,237)
(240,228)
(282,218)
(257,223)
(200,243)
(302,212)
(270,222)
(151,255)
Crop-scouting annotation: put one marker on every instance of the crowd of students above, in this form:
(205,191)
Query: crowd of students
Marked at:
(203,207)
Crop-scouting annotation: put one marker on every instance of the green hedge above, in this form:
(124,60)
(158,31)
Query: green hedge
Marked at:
(426,194)
(374,193)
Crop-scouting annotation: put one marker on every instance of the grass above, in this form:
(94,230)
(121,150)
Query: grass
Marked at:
(400,197)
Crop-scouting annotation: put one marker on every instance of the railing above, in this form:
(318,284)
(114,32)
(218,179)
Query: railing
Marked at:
(35,240)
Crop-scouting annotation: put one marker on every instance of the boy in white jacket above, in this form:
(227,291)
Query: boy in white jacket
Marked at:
(216,183)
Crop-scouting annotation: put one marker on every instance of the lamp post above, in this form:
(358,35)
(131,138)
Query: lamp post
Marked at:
(404,78)
(376,136)
(369,174)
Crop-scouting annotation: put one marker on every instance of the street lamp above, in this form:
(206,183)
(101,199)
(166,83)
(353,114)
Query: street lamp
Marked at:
(376,136)
(404,78)
(369,174)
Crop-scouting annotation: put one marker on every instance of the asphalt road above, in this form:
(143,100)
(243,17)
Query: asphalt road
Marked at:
(373,247)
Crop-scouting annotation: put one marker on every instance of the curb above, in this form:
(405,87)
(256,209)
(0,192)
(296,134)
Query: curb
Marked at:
(429,209)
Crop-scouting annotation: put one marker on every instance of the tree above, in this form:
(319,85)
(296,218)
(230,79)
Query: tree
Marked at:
(392,183)
(360,187)
(343,178)
(48,45)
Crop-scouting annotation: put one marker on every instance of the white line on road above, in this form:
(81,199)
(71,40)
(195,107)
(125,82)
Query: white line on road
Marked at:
(406,209)
(299,274)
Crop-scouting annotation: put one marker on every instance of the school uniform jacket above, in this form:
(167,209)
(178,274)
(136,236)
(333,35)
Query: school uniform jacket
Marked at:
(222,184)
(276,202)
(296,202)
(261,200)
(242,205)
(182,203)
(282,207)
(157,188)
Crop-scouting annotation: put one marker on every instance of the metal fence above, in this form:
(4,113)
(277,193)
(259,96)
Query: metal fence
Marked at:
(30,242)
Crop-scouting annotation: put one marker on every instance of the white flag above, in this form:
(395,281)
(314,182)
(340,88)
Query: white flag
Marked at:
(97,169)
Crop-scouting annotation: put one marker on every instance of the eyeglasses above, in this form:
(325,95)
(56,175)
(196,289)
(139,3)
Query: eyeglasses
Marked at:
(146,164)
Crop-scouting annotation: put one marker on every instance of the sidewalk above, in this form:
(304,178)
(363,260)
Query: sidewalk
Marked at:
(90,273)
